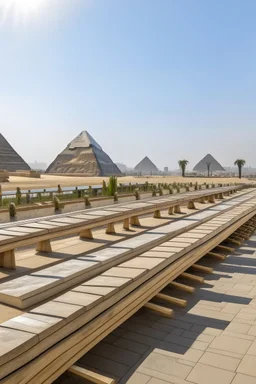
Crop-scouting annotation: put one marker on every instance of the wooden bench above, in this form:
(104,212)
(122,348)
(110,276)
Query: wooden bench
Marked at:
(27,290)
(72,323)
(42,231)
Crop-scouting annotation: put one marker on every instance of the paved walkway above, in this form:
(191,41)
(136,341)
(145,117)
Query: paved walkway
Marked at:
(211,341)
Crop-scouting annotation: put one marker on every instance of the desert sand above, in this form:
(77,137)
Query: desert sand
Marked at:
(51,181)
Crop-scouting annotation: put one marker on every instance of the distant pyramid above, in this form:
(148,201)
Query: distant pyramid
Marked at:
(146,167)
(208,165)
(85,156)
(9,158)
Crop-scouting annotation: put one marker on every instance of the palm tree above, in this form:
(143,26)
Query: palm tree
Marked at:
(240,163)
(182,165)
(208,168)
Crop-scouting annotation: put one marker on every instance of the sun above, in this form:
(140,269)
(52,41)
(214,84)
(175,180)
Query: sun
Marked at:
(20,9)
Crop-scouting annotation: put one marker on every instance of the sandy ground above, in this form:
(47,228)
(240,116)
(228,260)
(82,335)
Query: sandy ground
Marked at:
(48,181)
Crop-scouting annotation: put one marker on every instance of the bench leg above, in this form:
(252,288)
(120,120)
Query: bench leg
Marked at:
(170,211)
(126,224)
(221,197)
(157,214)
(191,205)
(110,229)
(135,221)
(177,209)
(211,199)
(44,246)
(7,259)
(86,234)
(202,200)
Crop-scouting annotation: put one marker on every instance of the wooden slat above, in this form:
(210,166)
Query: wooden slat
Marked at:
(167,312)
(202,268)
(182,287)
(173,300)
(225,248)
(189,276)
(216,255)
(90,375)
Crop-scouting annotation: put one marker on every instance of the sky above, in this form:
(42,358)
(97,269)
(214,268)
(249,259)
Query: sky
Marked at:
(170,79)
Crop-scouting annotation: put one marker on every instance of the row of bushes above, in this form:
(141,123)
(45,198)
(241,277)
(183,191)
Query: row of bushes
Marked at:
(106,190)
(157,189)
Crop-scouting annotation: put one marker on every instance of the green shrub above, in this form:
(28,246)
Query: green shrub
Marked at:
(112,185)
(115,196)
(137,194)
(104,188)
(18,196)
(59,189)
(187,188)
(12,210)
(170,190)
(27,198)
(56,203)
(87,201)
(178,189)
(161,191)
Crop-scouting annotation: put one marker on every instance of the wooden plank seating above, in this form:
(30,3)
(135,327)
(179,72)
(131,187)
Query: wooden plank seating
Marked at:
(42,231)
(27,290)
(75,321)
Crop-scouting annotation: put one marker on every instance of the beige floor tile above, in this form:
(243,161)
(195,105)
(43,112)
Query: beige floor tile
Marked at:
(212,314)
(191,355)
(252,349)
(252,330)
(248,366)
(186,342)
(225,353)
(220,361)
(138,378)
(206,330)
(166,365)
(231,344)
(204,374)
(232,308)
(238,335)
(243,379)
(198,336)
(239,328)
(167,378)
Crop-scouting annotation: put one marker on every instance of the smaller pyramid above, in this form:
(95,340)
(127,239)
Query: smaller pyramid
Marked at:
(146,167)
(208,165)
(83,155)
(10,160)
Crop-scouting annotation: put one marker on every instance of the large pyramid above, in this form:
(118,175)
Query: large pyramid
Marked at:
(208,165)
(146,167)
(84,156)
(9,158)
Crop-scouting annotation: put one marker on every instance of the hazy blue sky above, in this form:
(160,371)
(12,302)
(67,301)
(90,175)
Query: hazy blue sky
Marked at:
(170,79)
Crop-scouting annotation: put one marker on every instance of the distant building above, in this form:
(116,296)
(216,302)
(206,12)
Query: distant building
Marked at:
(146,167)
(166,169)
(10,160)
(83,156)
(208,165)
(37,166)
(123,168)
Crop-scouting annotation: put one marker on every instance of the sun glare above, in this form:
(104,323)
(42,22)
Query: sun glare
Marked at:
(20,9)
